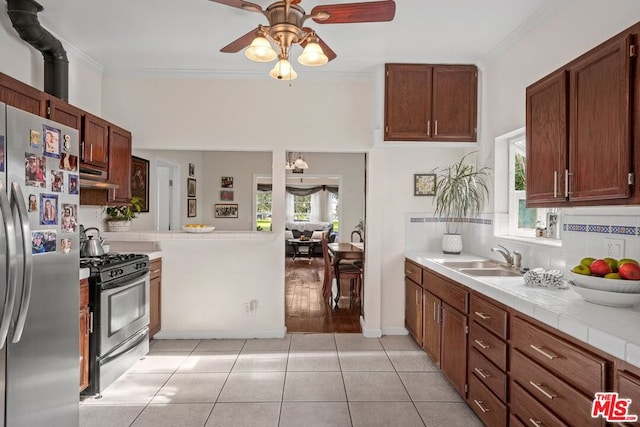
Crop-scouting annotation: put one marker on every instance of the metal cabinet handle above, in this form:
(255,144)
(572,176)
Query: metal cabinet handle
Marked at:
(436,128)
(482,315)
(481,373)
(538,386)
(535,423)
(12,256)
(439,313)
(418,298)
(555,184)
(480,404)
(482,344)
(434,310)
(91,322)
(156,271)
(428,127)
(540,350)
(91,152)
(82,150)
(27,260)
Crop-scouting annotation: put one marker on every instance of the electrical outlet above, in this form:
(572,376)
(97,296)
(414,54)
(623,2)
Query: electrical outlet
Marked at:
(614,248)
(253,306)
(247,307)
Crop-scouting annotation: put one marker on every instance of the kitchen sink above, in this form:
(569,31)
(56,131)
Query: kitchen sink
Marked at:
(503,272)
(470,264)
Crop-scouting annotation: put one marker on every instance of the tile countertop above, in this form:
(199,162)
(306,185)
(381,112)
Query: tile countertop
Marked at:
(84,273)
(613,330)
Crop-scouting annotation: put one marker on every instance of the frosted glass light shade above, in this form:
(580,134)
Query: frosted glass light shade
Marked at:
(283,71)
(260,50)
(312,55)
(300,163)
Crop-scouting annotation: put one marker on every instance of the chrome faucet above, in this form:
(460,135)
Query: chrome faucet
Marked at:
(506,254)
(517,259)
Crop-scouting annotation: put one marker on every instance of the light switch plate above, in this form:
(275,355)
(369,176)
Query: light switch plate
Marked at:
(614,248)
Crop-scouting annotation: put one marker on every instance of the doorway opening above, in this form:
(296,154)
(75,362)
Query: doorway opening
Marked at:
(168,202)
(330,200)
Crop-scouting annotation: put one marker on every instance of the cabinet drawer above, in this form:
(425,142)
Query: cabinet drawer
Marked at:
(447,291)
(413,272)
(155,268)
(84,293)
(488,373)
(488,315)
(515,422)
(561,398)
(585,371)
(491,411)
(528,409)
(490,346)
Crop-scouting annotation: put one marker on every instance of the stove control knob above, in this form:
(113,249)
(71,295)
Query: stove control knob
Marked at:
(120,271)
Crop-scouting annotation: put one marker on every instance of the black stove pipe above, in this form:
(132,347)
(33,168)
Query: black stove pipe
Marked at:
(24,17)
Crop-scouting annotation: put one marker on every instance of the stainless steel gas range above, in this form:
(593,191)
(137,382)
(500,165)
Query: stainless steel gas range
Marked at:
(119,310)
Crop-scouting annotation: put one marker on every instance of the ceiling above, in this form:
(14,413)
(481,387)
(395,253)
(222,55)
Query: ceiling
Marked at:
(172,36)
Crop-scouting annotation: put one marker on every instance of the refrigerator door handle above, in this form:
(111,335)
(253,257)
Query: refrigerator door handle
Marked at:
(10,295)
(27,281)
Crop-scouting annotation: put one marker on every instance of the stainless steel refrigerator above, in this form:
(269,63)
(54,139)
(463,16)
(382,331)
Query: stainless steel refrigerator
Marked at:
(39,261)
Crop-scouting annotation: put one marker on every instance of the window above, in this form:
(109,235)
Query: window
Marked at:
(335,210)
(263,210)
(302,208)
(522,220)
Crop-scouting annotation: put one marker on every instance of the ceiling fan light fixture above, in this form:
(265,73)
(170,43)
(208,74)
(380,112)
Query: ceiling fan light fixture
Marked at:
(300,163)
(260,50)
(313,55)
(283,70)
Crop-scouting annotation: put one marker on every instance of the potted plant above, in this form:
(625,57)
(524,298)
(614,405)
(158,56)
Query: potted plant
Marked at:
(119,217)
(460,193)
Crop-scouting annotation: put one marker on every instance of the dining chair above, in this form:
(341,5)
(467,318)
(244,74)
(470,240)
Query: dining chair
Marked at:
(343,271)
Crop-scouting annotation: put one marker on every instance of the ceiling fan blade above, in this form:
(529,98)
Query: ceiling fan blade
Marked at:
(240,43)
(374,11)
(325,47)
(240,4)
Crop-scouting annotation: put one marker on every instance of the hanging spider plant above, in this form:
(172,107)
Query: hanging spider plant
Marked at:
(460,192)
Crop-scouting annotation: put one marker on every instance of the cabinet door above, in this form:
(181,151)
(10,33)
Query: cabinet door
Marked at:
(413,310)
(84,348)
(431,306)
(455,99)
(17,94)
(547,140)
(62,112)
(407,102)
(120,164)
(155,316)
(600,155)
(453,354)
(95,142)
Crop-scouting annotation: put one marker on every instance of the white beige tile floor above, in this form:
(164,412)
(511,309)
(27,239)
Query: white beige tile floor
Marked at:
(301,380)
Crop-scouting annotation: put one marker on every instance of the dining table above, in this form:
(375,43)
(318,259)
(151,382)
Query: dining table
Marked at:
(351,251)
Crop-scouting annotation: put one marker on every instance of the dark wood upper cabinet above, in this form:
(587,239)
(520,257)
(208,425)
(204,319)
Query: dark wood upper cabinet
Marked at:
(581,135)
(430,102)
(547,137)
(62,112)
(119,164)
(94,149)
(19,95)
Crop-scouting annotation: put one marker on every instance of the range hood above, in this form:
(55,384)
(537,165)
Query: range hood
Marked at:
(97,179)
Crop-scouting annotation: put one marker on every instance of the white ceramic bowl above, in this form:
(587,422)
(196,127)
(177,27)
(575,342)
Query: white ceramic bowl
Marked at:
(204,229)
(613,299)
(607,285)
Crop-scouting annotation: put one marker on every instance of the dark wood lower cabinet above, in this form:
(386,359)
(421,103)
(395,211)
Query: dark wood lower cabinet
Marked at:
(453,355)
(431,316)
(84,334)
(155,297)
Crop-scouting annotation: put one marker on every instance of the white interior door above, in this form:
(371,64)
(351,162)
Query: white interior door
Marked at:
(168,209)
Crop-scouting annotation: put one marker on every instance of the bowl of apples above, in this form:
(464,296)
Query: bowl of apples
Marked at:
(608,274)
(198,228)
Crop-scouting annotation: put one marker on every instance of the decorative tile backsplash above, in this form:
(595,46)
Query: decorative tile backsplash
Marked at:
(605,229)
(465,220)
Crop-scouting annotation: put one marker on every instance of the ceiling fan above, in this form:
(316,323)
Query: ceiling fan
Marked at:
(286,28)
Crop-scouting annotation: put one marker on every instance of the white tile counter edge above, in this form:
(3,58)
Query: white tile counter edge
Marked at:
(613,330)
(84,273)
(158,236)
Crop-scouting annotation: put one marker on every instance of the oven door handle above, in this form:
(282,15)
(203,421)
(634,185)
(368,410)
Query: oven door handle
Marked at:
(10,294)
(126,285)
(27,277)
(142,335)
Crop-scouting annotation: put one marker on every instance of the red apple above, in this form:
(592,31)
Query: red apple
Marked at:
(600,267)
(629,271)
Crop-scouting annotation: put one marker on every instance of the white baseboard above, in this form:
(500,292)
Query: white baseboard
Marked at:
(369,333)
(203,335)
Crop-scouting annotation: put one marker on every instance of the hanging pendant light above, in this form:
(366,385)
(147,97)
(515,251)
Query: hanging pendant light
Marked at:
(283,70)
(313,55)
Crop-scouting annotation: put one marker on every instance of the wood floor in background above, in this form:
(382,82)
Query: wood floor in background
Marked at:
(304,309)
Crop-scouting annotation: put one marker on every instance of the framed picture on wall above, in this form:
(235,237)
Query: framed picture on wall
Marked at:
(140,181)
(191,187)
(192,208)
(226,210)
(424,184)
(192,169)
(226,182)
(226,195)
